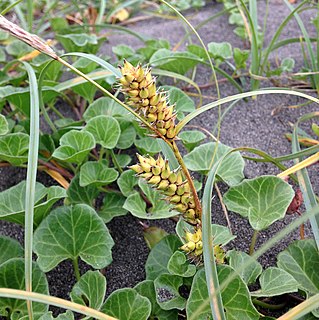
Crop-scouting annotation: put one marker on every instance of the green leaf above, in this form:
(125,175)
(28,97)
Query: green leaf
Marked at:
(14,148)
(123,160)
(123,51)
(191,139)
(79,42)
(2,55)
(64,316)
(275,282)
(12,202)
(18,48)
(77,194)
(287,64)
(105,129)
(12,276)
(240,58)
(263,200)
(72,232)
(220,234)
(112,207)
(179,265)
(97,173)
(148,145)
(146,289)
(220,50)
(153,235)
(235,296)
(9,248)
(127,304)
(160,209)
(126,182)
(90,290)
(179,62)
(167,294)
(128,134)
(4,126)
(251,272)
(86,90)
(74,146)
(159,256)
(107,107)
(301,260)
(231,169)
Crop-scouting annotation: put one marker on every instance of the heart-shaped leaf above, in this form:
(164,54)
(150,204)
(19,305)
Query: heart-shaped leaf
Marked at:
(263,200)
(126,182)
(105,106)
(12,276)
(14,148)
(105,129)
(97,173)
(167,292)
(159,256)
(301,260)
(12,202)
(127,304)
(235,296)
(72,232)
(275,282)
(148,145)
(90,290)
(191,139)
(9,248)
(251,272)
(146,289)
(4,127)
(231,169)
(179,265)
(112,207)
(74,146)
(77,194)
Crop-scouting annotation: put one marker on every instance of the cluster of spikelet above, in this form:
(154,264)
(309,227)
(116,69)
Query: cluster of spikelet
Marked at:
(171,183)
(138,85)
(194,246)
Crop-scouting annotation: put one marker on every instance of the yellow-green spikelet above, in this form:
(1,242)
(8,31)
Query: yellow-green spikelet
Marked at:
(139,87)
(171,183)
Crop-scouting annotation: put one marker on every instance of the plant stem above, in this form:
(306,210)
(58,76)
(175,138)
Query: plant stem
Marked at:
(268,305)
(180,160)
(253,242)
(115,162)
(76,269)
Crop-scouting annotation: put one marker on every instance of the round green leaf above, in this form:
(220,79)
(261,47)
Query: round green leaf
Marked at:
(179,265)
(251,272)
(12,276)
(90,290)
(263,200)
(148,145)
(191,139)
(167,292)
(159,256)
(146,289)
(105,129)
(97,173)
(275,282)
(127,304)
(128,134)
(127,181)
(301,260)
(231,169)
(72,232)
(4,127)
(9,248)
(235,296)
(14,148)
(112,207)
(74,146)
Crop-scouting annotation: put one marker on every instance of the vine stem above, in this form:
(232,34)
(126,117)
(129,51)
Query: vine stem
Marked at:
(180,160)
(253,242)
(76,269)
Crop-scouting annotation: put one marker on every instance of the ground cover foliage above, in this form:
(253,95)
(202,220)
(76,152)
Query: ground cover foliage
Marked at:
(125,147)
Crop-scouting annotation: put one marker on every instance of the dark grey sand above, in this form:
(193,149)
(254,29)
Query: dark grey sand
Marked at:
(248,124)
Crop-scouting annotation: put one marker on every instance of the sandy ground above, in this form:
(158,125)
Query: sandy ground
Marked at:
(248,124)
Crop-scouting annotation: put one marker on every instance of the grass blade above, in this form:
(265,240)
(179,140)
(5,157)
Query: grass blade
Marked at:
(31,178)
(53,301)
(7,9)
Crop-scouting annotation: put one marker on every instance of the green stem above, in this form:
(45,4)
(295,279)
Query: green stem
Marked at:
(75,263)
(30,15)
(115,162)
(268,305)
(253,242)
